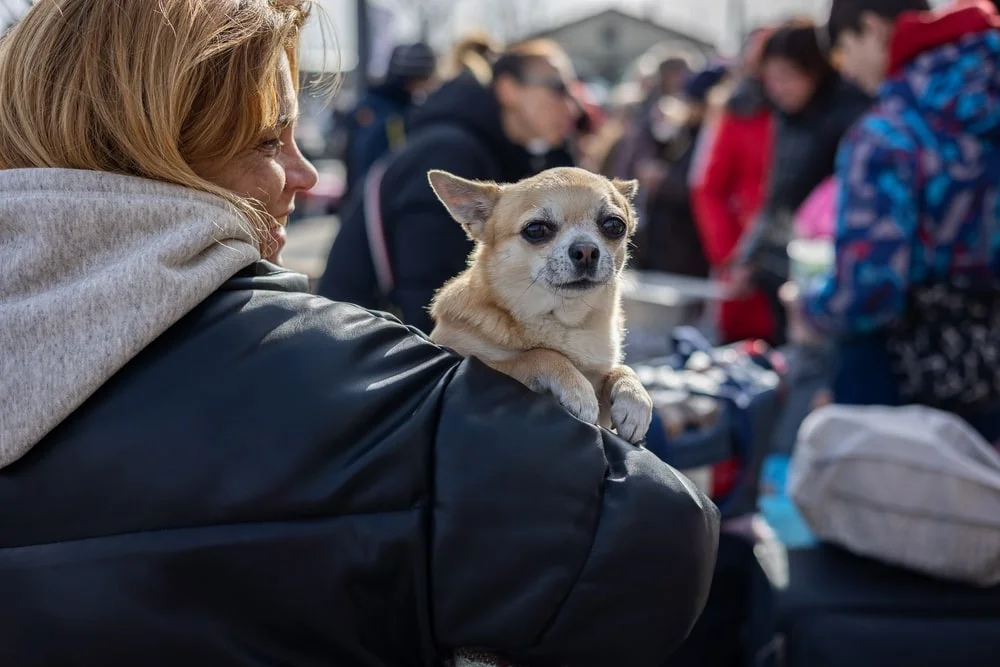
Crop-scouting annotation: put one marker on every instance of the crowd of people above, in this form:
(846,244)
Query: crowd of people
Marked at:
(201,462)
(730,156)
(724,153)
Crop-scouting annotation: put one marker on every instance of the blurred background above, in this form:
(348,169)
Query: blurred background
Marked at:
(605,38)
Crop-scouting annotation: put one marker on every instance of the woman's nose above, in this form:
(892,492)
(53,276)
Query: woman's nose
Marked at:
(300,174)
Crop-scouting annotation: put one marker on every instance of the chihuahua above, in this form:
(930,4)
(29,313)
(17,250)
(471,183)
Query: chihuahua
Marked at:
(540,299)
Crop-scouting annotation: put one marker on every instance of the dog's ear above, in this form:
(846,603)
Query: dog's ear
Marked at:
(628,189)
(471,203)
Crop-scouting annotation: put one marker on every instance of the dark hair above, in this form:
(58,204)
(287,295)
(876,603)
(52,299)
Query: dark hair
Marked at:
(846,14)
(410,62)
(800,42)
(518,58)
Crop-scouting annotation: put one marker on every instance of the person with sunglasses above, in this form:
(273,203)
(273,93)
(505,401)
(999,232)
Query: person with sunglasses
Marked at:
(509,128)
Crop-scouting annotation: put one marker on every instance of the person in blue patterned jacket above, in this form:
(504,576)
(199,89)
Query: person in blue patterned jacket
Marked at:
(919,174)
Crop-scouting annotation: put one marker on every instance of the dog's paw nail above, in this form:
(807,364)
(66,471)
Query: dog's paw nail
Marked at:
(631,415)
(588,413)
(583,407)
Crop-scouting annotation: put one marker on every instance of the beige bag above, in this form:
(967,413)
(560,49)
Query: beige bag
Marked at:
(911,486)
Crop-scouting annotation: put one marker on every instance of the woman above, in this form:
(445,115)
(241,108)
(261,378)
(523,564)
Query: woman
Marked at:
(201,464)
(728,184)
(815,107)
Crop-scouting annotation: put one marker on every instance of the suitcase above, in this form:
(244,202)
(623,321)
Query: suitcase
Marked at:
(825,607)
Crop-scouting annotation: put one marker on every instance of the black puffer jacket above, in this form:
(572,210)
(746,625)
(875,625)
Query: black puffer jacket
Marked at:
(282,480)
(457,129)
(805,149)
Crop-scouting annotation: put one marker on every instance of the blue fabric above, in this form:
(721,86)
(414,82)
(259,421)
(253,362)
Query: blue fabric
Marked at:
(863,374)
(656,438)
(777,507)
(920,179)
(369,137)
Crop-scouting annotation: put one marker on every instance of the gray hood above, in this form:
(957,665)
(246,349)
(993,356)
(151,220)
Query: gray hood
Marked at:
(93,267)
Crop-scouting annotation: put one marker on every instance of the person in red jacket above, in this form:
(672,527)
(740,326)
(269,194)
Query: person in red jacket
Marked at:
(728,186)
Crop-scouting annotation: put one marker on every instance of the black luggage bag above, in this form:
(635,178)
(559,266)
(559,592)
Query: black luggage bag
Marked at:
(833,609)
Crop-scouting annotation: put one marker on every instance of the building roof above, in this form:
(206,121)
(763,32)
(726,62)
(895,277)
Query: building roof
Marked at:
(668,33)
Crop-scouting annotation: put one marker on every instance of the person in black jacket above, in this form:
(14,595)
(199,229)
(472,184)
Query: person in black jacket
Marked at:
(202,464)
(505,131)
(815,109)
(376,126)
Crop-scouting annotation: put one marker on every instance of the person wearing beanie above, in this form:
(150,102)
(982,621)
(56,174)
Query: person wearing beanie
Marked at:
(669,240)
(376,125)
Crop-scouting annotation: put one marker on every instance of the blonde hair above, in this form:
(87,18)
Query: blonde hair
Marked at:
(145,88)
(474,53)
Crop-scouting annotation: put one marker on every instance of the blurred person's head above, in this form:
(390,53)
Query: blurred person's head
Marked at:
(532,83)
(663,68)
(474,54)
(412,68)
(794,65)
(697,91)
(674,72)
(198,94)
(860,31)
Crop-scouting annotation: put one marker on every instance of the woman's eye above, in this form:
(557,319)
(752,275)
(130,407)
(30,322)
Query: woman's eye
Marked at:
(613,228)
(534,232)
(271,146)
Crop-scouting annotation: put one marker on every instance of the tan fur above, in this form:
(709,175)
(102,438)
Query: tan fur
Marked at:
(509,309)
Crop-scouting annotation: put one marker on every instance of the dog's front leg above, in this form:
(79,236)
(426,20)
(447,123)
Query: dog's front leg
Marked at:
(631,406)
(549,371)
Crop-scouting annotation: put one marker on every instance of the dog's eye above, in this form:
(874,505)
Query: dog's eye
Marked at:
(613,228)
(535,232)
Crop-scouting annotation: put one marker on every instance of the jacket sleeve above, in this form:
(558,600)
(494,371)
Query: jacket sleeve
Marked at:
(713,182)
(876,223)
(426,246)
(557,543)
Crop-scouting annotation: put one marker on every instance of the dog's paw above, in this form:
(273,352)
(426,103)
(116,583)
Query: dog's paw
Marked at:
(579,399)
(631,409)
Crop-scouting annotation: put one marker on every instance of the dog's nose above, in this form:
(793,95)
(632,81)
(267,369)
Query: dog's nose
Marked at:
(584,256)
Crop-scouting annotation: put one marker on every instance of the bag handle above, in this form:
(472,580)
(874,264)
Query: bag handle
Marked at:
(378,246)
